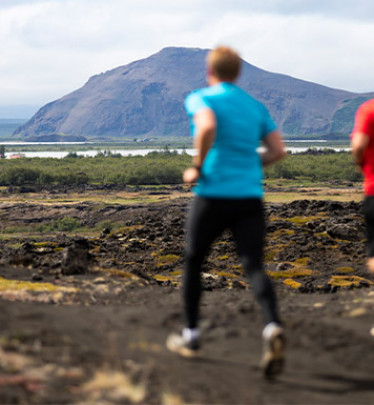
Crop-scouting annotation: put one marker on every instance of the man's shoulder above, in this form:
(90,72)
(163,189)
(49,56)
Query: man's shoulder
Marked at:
(196,100)
(226,92)
(367,106)
(196,95)
(198,92)
(251,101)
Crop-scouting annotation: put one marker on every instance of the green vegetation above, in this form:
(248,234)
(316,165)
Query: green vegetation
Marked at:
(65,224)
(316,166)
(343,118)
(157,168)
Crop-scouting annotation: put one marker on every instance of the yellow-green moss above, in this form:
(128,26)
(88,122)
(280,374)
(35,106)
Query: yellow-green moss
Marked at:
(17,285)
(15,245)
(347,281)
(157,253)
(298,219)
(292,283)
(223,257)
(281,232)
(345,270)
(301,220)
(220,243)
(290,273)
(176,273)
(275,218)
(167,259)
(124,230)
(322,235)
(160,277)
(224,274)
(44,244)
(164,259)
(270,253)
(302,261)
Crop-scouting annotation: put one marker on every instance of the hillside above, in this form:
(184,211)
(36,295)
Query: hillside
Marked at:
(145,99)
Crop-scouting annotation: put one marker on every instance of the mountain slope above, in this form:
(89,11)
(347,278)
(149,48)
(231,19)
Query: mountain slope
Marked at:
(145,98)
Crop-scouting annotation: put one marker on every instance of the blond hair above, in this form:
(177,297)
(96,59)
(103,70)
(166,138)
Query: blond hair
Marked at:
(224,63)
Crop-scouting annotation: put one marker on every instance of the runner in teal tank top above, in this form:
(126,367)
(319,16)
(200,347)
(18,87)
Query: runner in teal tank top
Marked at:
(232,167)
(228,126)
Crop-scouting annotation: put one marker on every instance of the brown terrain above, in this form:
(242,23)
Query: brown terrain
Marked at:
(84,313)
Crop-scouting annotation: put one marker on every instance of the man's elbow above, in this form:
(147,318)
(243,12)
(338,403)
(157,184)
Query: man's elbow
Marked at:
(209,128)
(358,155)
(208,133)
(280,154)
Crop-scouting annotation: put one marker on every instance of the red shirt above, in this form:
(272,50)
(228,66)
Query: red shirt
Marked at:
(364,123)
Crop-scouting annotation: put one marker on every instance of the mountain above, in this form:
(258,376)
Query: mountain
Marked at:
(145,99)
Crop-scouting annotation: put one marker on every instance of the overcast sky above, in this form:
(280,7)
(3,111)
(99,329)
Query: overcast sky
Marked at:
(51,47)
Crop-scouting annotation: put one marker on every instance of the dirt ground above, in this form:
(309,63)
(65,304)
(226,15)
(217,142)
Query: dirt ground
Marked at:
(84,315)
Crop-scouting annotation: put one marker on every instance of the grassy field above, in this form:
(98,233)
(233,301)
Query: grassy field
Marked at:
(279,191)
(309,193)
(288,190)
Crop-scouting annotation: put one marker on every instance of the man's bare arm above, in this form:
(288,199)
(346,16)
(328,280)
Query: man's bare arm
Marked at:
(205,122)
(359,143)
(274,148)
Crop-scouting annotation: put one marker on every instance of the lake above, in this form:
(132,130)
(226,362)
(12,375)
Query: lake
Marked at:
(128,152)
(135,152)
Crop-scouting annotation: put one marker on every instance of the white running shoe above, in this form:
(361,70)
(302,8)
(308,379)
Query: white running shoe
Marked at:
(177,343)
(272,361)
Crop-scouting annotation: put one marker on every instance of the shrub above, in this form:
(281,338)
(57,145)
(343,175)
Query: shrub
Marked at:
(68,224)
(17,176)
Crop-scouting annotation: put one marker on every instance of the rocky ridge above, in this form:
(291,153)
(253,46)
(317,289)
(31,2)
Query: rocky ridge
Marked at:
(144,99)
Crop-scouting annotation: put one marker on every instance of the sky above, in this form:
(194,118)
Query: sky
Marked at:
(49,48)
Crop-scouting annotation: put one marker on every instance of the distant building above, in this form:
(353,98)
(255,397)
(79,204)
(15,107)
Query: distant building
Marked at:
(17,156)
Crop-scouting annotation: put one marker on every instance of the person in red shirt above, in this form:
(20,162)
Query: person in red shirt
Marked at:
(362,142)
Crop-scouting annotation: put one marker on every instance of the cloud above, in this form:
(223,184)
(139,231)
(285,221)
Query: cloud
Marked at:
(52,47)
(17,3)
(327,51)
(334,9)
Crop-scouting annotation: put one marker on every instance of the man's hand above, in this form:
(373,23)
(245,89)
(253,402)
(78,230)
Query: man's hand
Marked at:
(370,265)
(191,175)
(205,122)
(359,143)
(274,148)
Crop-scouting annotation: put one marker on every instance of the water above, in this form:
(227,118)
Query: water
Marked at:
(92,153)
(128,152)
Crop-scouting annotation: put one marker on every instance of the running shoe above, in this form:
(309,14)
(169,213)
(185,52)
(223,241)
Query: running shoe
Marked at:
(178,344)
(273,351)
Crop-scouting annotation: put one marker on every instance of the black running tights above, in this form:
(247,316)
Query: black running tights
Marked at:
(207,219)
